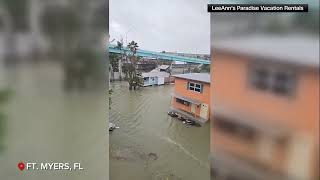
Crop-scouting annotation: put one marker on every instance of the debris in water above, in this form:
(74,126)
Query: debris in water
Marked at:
(153,156)
(183,119)
(112,127)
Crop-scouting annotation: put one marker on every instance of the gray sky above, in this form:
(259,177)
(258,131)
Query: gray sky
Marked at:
(169,25)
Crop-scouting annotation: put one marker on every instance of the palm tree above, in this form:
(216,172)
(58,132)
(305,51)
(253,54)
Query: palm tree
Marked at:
(120,47)
(133,46)
(129,69)
(134,79)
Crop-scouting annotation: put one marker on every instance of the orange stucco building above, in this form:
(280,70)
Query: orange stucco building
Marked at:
(191,96)
(265,108)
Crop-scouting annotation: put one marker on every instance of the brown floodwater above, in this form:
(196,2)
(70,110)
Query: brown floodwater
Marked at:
(46,123)
(150,145)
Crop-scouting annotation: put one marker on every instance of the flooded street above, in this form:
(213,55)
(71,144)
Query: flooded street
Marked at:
(150,145)
(45,123)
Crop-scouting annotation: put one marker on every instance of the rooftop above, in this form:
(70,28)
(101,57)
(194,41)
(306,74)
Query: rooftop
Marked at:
(202,77)
(155,73)
(164,67)
(296,50)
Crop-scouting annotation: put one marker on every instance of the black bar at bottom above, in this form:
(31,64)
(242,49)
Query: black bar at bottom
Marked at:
(257,7)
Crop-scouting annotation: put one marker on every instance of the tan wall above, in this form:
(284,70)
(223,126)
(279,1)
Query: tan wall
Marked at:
(299,113)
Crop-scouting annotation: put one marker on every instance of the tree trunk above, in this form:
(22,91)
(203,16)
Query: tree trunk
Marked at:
(130,86)
(120,68)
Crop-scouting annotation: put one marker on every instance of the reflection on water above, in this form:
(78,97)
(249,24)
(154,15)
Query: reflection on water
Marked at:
(2,132)
(150,145)
(4,96)
(47,124)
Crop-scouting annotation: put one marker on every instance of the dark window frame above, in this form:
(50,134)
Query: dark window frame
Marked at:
(241,131)
(181,101)
(270,83)
(192,86)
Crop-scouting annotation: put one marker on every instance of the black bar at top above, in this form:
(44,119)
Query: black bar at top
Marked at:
(257,8)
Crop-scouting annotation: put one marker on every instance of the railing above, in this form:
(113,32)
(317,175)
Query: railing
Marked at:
(157,55)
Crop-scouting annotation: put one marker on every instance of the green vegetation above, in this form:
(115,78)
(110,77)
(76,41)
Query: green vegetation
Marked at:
(67,31)
(4,96)
(133,78)
(60,25)
(110,100)
(13,19)
(129,67)
(17,11)
(114,62)
(83,69)
(204,68)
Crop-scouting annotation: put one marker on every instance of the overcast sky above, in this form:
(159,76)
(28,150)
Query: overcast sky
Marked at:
(169,25)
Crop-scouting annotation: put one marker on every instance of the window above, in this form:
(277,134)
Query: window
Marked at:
(191,86)
(181,101)
(271,78)
(260,78)
(283,83)
(241,131)
(198,88)
(195,87)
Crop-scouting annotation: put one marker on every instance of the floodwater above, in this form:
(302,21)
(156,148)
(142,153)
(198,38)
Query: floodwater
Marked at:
(150,145)
(45,123)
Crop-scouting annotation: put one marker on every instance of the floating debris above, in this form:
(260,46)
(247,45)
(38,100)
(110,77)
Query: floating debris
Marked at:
(183,119)
(172,114)
(153,156)
(112,127)
(191,123)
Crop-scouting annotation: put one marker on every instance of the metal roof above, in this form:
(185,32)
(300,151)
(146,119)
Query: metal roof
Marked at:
(155,73)
(164,67)
(296,50)
(202,77)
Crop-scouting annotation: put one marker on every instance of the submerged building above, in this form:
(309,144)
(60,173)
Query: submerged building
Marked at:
(191,96)
(155,78)
(265,108)
(158,76)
